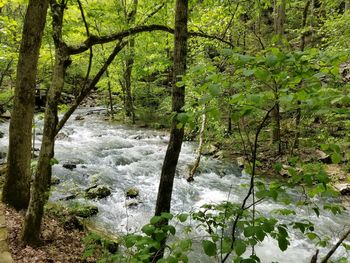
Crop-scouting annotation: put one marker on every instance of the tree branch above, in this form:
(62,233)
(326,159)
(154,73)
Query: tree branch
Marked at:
(335,247)
(93,40)
(85,91)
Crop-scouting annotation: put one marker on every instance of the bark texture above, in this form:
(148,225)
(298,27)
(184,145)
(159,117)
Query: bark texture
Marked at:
(178,101)
(16,190)
(129,62)
(42,179)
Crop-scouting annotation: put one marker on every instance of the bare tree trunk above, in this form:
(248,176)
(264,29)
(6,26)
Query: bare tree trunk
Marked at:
(199,149)
(110,97)
(42,179)
(279,20)
(129,62)
(16,190)
(178,101)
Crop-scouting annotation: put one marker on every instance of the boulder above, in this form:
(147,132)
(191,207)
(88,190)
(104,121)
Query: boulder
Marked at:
(241,162)
(343,188)
(210,150)
(323,157)
(132,203)
(69,166)
(6,115)
(99,192)
(85,211)
(132,192)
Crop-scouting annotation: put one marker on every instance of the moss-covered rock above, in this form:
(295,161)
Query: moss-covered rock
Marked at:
(99,192)
(132,192)
(84,211)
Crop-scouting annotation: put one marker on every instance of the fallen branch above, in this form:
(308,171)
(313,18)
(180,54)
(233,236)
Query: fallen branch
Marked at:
(335,247)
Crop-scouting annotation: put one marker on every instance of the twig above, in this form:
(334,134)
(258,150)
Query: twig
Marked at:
(335,247)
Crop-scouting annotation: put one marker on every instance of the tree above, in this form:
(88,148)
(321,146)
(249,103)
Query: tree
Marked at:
(17,182)
(128,65)
(178,101)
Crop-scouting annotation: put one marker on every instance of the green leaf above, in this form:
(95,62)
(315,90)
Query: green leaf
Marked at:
(249,231)
(240,247)
(311,236)
(282,243)
(209,248)
(154,220)
(148,229)
(336,158)
(186,244)
(167,216)
(182,217)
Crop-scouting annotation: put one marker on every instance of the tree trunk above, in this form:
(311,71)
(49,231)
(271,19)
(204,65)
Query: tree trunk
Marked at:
(178,101)
(199,149)
(279,20)
(129,62)
(42,179)
(347,5)
(16,190)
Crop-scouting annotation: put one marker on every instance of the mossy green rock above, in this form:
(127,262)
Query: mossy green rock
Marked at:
(85,211)
(99,192)
(132,192)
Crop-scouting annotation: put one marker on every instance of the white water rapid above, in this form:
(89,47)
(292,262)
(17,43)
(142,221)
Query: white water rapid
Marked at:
(122,157)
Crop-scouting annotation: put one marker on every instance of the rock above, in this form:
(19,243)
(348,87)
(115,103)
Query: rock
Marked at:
(132,203)
(79,118)
(323,157)
(343,188)
(85,211)
(6,115)
(210,150)
(61,136)
(132,192)
(72,222)
(1,134)
(241,162)
(99,192)
(111,246)
(69,166)
(55,180)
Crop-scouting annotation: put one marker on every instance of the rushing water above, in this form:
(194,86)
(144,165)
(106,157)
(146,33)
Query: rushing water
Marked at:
(123,157)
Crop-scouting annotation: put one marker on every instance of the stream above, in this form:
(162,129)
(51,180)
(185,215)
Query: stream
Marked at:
(122,157)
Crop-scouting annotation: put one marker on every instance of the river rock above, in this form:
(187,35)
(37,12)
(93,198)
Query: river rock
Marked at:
(241,162)
(1,134)
(343,188)
(6,115)
(85,211)
(323,157)
(99,192)
(132,203)
(69,166)
(132,192)
(55,180)
(79,118)
(61,136)
(210,150)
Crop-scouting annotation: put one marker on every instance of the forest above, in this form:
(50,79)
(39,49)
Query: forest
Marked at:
(175,131)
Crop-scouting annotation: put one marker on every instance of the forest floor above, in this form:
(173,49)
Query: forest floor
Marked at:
(58,244)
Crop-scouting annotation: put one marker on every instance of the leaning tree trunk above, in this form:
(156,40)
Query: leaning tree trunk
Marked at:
(42,179)
(199,149)
(178,101)
(16,190)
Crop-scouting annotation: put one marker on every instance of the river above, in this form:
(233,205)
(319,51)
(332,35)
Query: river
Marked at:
(121,157)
